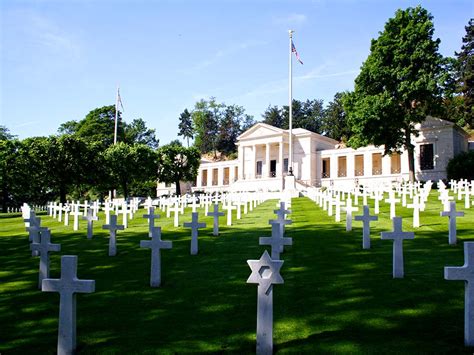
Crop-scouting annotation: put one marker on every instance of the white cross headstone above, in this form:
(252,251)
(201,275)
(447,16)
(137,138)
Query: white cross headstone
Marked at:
(155,244)
(67,286)
(216,214)
(281,221)
(392,201)
(397,236)
(151,216)
(176,210)
(60,210)
(452,214)
(195,226)
(34,225)
(67,210)
(90,222)
(378,196)
(265,273)
(107,210)
(338,204)
(113,227)
(76,213)
(416,210)
(349,209)
(229,207)
(465,273)
(276,241)
(25,212)
(43,248)
(124,211)
(366,218)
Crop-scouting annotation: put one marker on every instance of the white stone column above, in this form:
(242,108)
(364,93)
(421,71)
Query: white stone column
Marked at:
(209,177)
(220,176)
(254,161)
(241,162)
(231,174)
(368,164)
(199,179)
(267,160)
(350,165)
(280,158)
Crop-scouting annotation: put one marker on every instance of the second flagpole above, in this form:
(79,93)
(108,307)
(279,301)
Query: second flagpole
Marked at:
(290,107)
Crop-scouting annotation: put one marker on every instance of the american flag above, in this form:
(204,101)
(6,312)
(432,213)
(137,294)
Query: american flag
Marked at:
(293,49)
(119,99)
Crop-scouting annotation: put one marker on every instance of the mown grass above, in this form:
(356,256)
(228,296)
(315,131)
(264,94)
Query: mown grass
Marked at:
(337,298)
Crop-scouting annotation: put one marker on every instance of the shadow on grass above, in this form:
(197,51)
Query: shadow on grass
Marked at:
(337,298)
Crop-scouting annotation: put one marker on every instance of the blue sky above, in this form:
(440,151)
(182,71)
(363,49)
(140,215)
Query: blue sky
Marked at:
(61,59)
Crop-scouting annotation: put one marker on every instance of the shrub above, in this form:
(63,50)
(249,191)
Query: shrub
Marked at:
(461,166)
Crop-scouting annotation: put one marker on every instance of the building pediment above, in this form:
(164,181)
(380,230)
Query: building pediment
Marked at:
(260,130)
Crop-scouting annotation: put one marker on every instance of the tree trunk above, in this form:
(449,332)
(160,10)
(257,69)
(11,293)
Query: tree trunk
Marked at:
(411,155)
(178,188)
(125,190)
(62,193)
(4,199)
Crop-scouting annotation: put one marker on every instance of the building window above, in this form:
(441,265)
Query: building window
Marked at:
(259,168)
(285,165)
(215,176)
(395,164)
(359,165)
(326,168)
(341,167)
(226,176)
(236,173)
(204,178)
(426,157)
(377,164)
(168,184)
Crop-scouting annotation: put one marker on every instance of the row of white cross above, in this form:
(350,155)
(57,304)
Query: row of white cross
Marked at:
(68,285)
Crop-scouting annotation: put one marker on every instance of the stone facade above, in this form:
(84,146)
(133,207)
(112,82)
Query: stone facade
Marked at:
(262,162)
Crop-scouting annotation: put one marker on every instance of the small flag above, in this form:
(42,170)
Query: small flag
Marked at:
(293,49)
(119,100)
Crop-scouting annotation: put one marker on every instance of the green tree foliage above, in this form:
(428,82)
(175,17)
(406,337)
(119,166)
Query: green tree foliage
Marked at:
(461,166)
(398,84)
(217,126)
(334,123)
(5,134)
(273,116)
(10,183)
(136,132)
(465,79)
(308,115)
(130,164)
(185,126)
(99,125)
(177,163)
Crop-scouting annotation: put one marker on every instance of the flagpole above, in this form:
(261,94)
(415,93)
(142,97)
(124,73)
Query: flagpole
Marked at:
(290,106)
(116,115)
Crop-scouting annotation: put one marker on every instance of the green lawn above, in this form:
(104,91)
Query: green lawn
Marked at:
(337,298)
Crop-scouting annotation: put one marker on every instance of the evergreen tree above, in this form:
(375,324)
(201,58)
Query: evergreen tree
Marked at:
(334,124)
(185,125)
(273,116)
(465,79)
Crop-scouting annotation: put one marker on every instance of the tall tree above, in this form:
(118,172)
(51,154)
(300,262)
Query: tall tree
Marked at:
(136,132)
(206,125)
(185,126)
(273,116)
(128,164)
(229,129)
(398,84)
(177,163)
(334,124)
(465,82)
(5,134)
